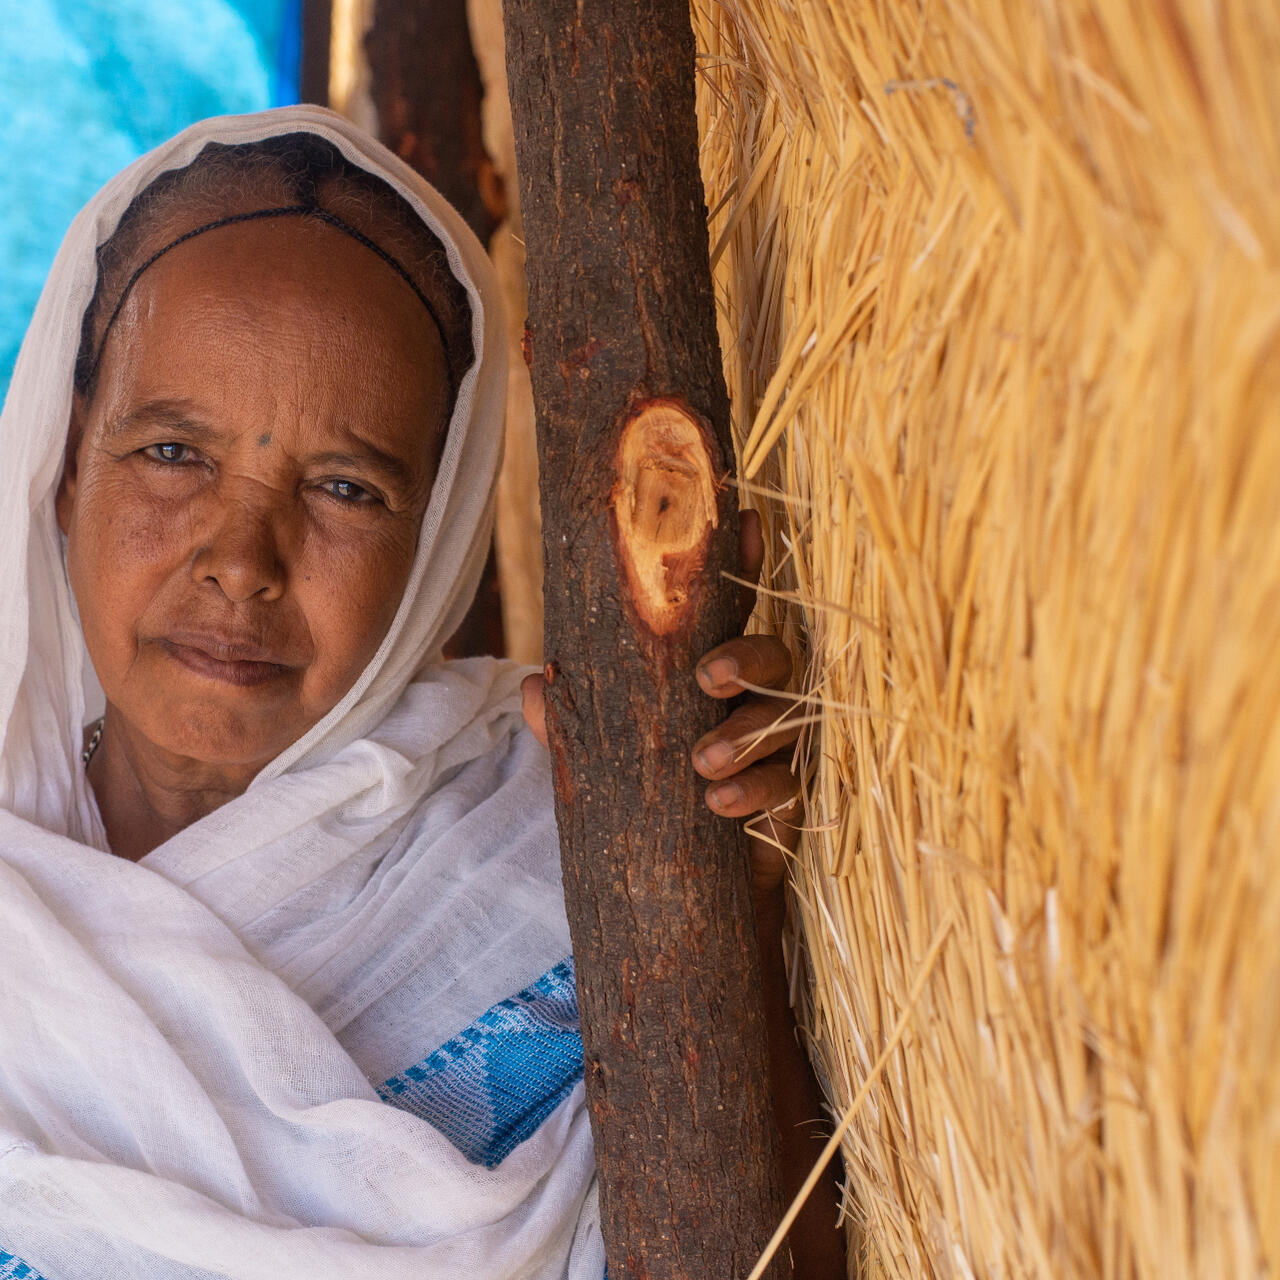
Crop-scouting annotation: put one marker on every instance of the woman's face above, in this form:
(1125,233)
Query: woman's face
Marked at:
(243,494)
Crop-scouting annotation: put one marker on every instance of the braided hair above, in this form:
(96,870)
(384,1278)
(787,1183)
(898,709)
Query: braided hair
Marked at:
(290,173)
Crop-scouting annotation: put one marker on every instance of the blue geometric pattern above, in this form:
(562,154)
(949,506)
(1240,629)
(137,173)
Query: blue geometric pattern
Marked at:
(12,1268)
(493,1084)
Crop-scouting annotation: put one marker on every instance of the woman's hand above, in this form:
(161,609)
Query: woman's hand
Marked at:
(747,758)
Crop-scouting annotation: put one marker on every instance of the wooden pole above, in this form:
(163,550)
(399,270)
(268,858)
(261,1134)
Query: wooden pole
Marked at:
(638,524)
(426,90)
(313,73)
(425,87)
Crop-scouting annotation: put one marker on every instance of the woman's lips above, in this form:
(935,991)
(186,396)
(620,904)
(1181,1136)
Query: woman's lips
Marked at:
(229,661)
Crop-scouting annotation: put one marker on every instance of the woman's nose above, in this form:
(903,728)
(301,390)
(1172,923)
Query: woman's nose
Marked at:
(241,555)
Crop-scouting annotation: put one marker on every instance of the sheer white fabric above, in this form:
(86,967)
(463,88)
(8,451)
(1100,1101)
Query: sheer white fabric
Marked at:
(189,1045)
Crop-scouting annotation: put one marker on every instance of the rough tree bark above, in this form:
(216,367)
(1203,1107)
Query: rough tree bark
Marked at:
(426,89)
(638,522)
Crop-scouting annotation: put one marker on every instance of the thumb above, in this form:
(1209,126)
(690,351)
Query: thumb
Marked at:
(534,705)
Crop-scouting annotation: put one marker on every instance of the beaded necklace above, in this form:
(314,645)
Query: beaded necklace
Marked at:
(94,738)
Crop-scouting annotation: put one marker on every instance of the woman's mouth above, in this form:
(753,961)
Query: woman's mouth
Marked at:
(228,661)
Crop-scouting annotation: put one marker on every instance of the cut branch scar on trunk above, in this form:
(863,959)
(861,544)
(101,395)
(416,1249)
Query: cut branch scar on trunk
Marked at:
(664,507)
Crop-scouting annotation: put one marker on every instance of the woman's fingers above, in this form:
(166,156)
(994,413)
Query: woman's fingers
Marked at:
(770,785)
(762,661)
(533,703)
(758,728)
(747,756)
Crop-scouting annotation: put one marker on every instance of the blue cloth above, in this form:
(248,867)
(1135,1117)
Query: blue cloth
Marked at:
(12,1268)
(494,1083)
(86,86)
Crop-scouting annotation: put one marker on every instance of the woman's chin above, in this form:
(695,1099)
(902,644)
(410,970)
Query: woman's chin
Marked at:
(220,732)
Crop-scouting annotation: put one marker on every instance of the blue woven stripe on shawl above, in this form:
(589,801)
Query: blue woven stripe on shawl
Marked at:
(492,1085)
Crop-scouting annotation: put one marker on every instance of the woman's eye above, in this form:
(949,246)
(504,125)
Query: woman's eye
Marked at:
(168,451)
(348,491)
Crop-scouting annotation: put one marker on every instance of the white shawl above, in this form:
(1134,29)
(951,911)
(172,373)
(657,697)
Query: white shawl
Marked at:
(328,1030)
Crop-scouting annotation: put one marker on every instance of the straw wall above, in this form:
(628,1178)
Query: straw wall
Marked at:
(1000,290)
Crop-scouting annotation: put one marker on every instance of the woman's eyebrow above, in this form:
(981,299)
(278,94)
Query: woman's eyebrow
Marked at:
(168,415)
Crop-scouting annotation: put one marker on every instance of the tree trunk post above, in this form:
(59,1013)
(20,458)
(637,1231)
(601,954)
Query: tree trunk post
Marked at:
(425,88)
(639,521)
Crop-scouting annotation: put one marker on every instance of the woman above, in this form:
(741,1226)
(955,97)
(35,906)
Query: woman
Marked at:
(260,407)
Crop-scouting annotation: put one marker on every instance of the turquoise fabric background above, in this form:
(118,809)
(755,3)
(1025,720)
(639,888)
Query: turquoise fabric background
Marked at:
(88,85)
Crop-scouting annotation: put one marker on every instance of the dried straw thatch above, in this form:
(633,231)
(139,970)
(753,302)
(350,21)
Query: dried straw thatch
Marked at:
(1000,290)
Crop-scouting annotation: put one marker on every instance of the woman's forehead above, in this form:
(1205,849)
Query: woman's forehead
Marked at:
(290,312)
(265,257)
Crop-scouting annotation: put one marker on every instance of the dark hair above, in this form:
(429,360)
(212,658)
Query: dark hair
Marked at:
(226,181)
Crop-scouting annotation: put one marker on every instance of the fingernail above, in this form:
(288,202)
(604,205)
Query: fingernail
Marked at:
(714,757)
(719,671)
(725,795)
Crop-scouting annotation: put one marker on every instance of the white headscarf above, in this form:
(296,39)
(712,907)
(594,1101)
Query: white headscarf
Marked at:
(193,1047)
